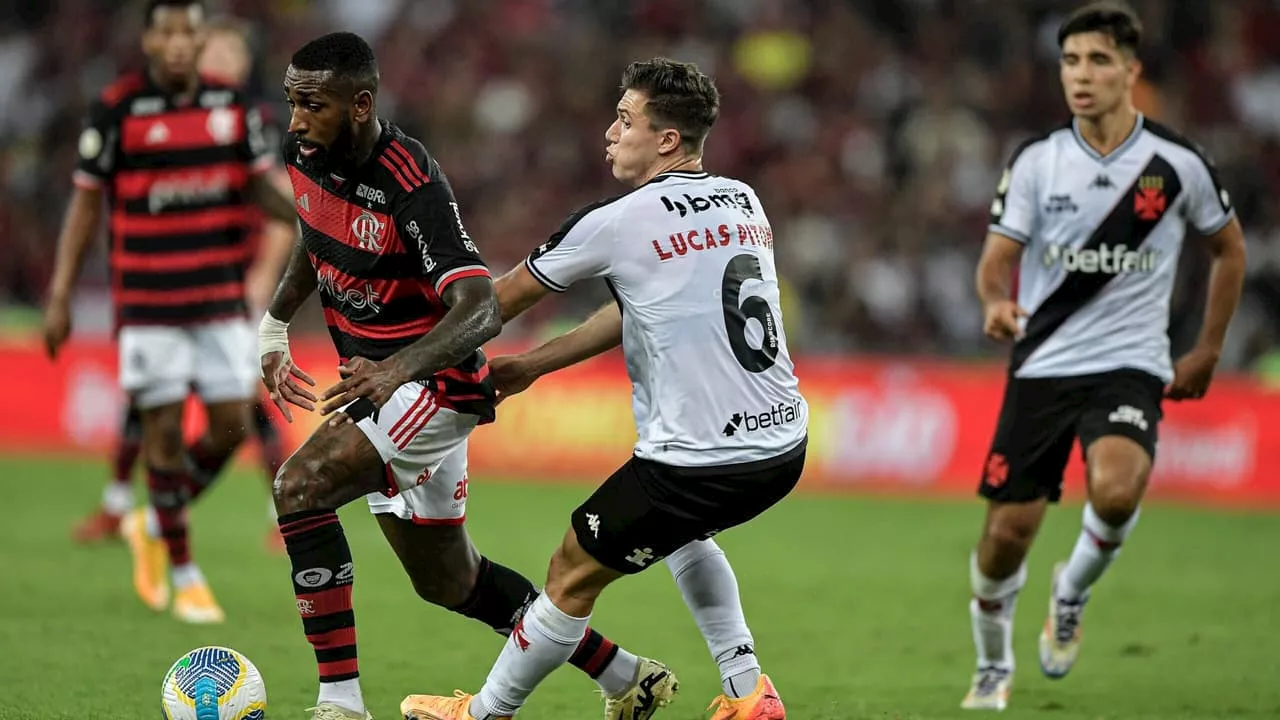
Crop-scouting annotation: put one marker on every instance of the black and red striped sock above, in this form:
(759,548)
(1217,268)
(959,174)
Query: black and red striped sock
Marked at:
(322,581)
(169,491)
(501,596)
(207,462)
(122,460)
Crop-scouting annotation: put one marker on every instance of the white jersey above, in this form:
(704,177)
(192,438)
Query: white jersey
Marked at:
(689,259)
(1102,238)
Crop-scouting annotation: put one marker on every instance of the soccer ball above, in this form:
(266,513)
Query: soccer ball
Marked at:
(213,683)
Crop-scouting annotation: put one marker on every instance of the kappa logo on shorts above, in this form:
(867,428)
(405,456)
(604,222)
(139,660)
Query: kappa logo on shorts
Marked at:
(593,524)
(1130,415)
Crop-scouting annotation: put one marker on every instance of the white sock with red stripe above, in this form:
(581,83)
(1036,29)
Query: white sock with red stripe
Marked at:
(1098,544)
(543,641)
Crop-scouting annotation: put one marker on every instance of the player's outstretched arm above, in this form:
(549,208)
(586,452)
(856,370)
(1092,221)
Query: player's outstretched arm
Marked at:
(994,279)
(601,332)
(518,290)
(471,321)
(78,227)
(1194,371)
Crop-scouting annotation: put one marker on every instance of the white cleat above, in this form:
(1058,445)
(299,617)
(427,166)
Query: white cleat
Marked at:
(329,711)
(654,687)
(990,689)
(1060,638)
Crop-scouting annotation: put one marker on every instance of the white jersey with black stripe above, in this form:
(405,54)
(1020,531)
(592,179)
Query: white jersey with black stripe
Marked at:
(689,259)
(1102,237)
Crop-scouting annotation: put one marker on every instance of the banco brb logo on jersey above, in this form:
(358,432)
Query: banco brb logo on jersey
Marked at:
(1113,260)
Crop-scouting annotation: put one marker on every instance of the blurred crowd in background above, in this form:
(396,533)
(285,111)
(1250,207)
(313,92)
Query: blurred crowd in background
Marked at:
(874,131)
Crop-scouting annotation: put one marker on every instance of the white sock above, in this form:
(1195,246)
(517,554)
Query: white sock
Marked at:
(117,497)
(186,575)
(620,674)
(710,589)
(543,641)
(991,611)
(1097,546)
(153,522)
(343,693)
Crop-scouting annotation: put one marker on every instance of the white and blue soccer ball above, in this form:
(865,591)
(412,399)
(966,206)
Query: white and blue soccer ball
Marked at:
(213,683)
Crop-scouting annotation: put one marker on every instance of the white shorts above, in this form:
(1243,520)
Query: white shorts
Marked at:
(161,364)
(424,447)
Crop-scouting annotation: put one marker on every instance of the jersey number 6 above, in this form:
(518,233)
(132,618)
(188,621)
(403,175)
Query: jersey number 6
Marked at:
(737,309)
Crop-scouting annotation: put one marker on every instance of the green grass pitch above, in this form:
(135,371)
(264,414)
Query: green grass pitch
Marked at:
(859,608)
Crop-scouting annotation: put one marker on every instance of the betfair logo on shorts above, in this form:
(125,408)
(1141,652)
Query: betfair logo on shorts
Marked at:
(780,414)
(1103,259)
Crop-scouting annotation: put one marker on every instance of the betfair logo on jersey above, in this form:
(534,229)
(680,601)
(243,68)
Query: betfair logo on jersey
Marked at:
(721,198)
(1103,259)
(780,414)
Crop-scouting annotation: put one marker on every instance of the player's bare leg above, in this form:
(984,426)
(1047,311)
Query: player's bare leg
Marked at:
(447,570)
(272,451)
(336,465)
(117,497)
(997,573)
(1118,469)
(545,638)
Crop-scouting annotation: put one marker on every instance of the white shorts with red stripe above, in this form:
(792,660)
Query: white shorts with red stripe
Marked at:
(424,447)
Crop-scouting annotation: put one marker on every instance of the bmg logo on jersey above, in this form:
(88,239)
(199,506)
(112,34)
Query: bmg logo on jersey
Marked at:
(780,414)
(1102,259)
(721,198)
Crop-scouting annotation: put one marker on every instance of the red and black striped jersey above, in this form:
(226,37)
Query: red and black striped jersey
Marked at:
(176,177)
(385,242)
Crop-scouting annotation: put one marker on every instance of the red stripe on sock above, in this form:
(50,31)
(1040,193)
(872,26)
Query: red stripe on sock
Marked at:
(325,602)
(342,637)
(306,524)
(595,665)
(339,667)
(1102,544)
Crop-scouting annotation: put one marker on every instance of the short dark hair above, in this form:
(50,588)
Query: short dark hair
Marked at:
(344,54)
(680,96)
(1111,18)
(154,5)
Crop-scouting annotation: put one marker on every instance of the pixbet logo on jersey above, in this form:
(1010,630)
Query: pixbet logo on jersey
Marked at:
(1103,259)
(780,414)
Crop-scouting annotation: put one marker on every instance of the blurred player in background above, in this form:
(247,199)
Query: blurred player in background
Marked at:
(408,301)
(722,425)
(1093,214)
(178,159)
(226,57)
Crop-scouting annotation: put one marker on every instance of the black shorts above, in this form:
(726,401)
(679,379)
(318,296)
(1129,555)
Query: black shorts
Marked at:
(1041,418)
(646,510)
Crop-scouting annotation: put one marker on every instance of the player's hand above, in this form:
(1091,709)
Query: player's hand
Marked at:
(282,378)
(57,325)
(510,375)
(361,378)
(1002,318)
(1192,374)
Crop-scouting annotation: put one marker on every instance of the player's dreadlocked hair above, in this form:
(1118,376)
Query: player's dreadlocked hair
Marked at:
(1109,17)
(344,54)
(154,5)
(680,97)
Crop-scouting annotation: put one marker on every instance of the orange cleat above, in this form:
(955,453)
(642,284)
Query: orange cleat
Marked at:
(274,542)
(195,604)
(762,704)
(150,561)
(99,526)
(438,707)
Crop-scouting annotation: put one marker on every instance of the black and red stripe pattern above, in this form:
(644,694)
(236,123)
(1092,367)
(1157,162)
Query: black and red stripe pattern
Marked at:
(593,654)
(386,243)
(177,176)
(322,582)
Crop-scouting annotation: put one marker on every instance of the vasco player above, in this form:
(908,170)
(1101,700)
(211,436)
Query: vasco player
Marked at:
(409,302)
(722,425)
(225,57)
(1094,215)
(179,159)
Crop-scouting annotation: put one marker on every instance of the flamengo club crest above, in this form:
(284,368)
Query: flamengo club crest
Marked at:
(222,125)
(368,230)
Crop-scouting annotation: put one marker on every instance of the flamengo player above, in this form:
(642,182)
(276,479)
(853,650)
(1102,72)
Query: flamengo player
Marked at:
(409,302)
(178,158)
(722,424)
(225,57)
(1095,212)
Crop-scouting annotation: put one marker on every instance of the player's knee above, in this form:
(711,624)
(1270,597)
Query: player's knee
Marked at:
(297,483)
(165,448)
(1115,500)
(445,589)
(1010,534)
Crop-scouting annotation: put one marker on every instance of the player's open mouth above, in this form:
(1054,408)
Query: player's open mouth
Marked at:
(1084,98)
(306,149)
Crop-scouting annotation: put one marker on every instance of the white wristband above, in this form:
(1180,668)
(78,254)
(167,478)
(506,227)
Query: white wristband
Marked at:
(273,336)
